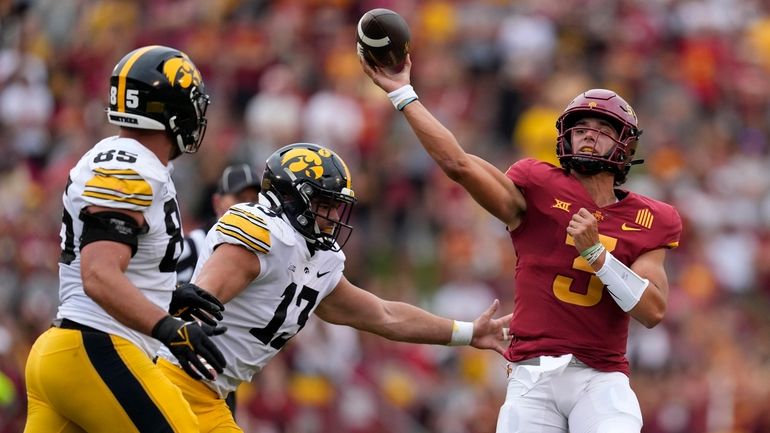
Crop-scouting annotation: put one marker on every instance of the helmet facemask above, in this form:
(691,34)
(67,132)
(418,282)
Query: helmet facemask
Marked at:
(606,105)
(618,159)
(329,212)
(188,132)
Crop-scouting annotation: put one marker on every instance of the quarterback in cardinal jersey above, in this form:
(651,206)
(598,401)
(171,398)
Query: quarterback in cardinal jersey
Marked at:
(560,304)
(590,257)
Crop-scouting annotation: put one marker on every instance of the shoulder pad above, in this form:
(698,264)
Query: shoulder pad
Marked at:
(246,226)
(121,173)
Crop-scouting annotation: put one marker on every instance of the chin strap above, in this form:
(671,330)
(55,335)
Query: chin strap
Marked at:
(275,204)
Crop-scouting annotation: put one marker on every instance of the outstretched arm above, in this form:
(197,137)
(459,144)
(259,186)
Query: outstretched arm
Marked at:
(352,306)
(486,184)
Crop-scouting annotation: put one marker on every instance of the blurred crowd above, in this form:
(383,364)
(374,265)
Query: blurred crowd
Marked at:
(498,74)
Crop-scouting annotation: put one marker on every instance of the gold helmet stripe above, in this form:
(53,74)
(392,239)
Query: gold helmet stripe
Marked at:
(124,72)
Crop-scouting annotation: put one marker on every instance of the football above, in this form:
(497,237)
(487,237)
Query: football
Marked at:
(383,39)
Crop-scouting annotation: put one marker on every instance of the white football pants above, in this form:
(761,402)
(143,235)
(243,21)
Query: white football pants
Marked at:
(563,395)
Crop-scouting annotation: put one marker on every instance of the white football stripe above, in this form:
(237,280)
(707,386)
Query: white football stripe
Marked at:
(375,43)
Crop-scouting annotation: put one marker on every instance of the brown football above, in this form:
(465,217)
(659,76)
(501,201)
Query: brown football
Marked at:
(382,38)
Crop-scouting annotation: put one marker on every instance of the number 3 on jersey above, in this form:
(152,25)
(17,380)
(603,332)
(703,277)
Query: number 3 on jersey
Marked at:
(562,285)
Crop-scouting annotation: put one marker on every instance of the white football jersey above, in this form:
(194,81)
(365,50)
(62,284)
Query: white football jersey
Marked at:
(278,303)
(194,242)
(120,173)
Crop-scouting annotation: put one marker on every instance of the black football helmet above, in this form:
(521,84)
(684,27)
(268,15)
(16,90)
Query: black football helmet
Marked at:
(301,176)
(608,105)
(159,88)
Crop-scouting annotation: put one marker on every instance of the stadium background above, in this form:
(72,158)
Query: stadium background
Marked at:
(497,73)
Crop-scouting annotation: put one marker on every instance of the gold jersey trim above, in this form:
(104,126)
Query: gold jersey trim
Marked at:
(246,227)
(245,240)
(125,186)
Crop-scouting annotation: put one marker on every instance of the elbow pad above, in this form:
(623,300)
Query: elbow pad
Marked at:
(110,226)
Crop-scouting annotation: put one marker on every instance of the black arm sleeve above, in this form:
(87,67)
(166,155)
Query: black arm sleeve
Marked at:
(110,226)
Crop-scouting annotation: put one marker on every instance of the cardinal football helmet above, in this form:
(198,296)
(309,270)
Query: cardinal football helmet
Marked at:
(608,105)
(159,88)
(301,176)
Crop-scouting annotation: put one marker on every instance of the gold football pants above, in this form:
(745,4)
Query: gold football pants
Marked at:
(213,414)
(89,381)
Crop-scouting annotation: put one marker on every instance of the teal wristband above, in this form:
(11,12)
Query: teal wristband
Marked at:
(406,102)
(590,249)
(402,96)
(592,253)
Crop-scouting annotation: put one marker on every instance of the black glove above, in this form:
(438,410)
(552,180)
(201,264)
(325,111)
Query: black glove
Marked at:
(190,302)
(189,340)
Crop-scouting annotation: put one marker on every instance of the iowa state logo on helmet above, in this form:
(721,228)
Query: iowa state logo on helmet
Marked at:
(306,161)
(180,71)
(627,108)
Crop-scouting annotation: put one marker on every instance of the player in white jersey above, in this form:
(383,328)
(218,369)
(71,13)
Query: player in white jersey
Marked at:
(239,183)
(121,237)
(277,261)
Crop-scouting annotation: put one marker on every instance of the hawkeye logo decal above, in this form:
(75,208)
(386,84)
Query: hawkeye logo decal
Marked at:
(563,205)
(305,161)
(180,71)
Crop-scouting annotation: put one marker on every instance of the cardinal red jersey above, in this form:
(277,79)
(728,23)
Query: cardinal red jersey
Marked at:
(561,306)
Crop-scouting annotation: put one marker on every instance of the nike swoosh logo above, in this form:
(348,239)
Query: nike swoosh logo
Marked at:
(321,274)
(627,228)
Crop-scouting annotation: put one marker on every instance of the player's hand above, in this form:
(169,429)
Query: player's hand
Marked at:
(387,79)
(584,229)
(489,333)
(188,341)
(190,302)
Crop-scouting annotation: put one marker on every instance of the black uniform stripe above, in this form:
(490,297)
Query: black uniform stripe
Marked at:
(189,257)
(68,252)
(124,386)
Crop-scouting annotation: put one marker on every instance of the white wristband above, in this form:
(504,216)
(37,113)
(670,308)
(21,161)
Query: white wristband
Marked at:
(402,96)
(625,286)
(462,333)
